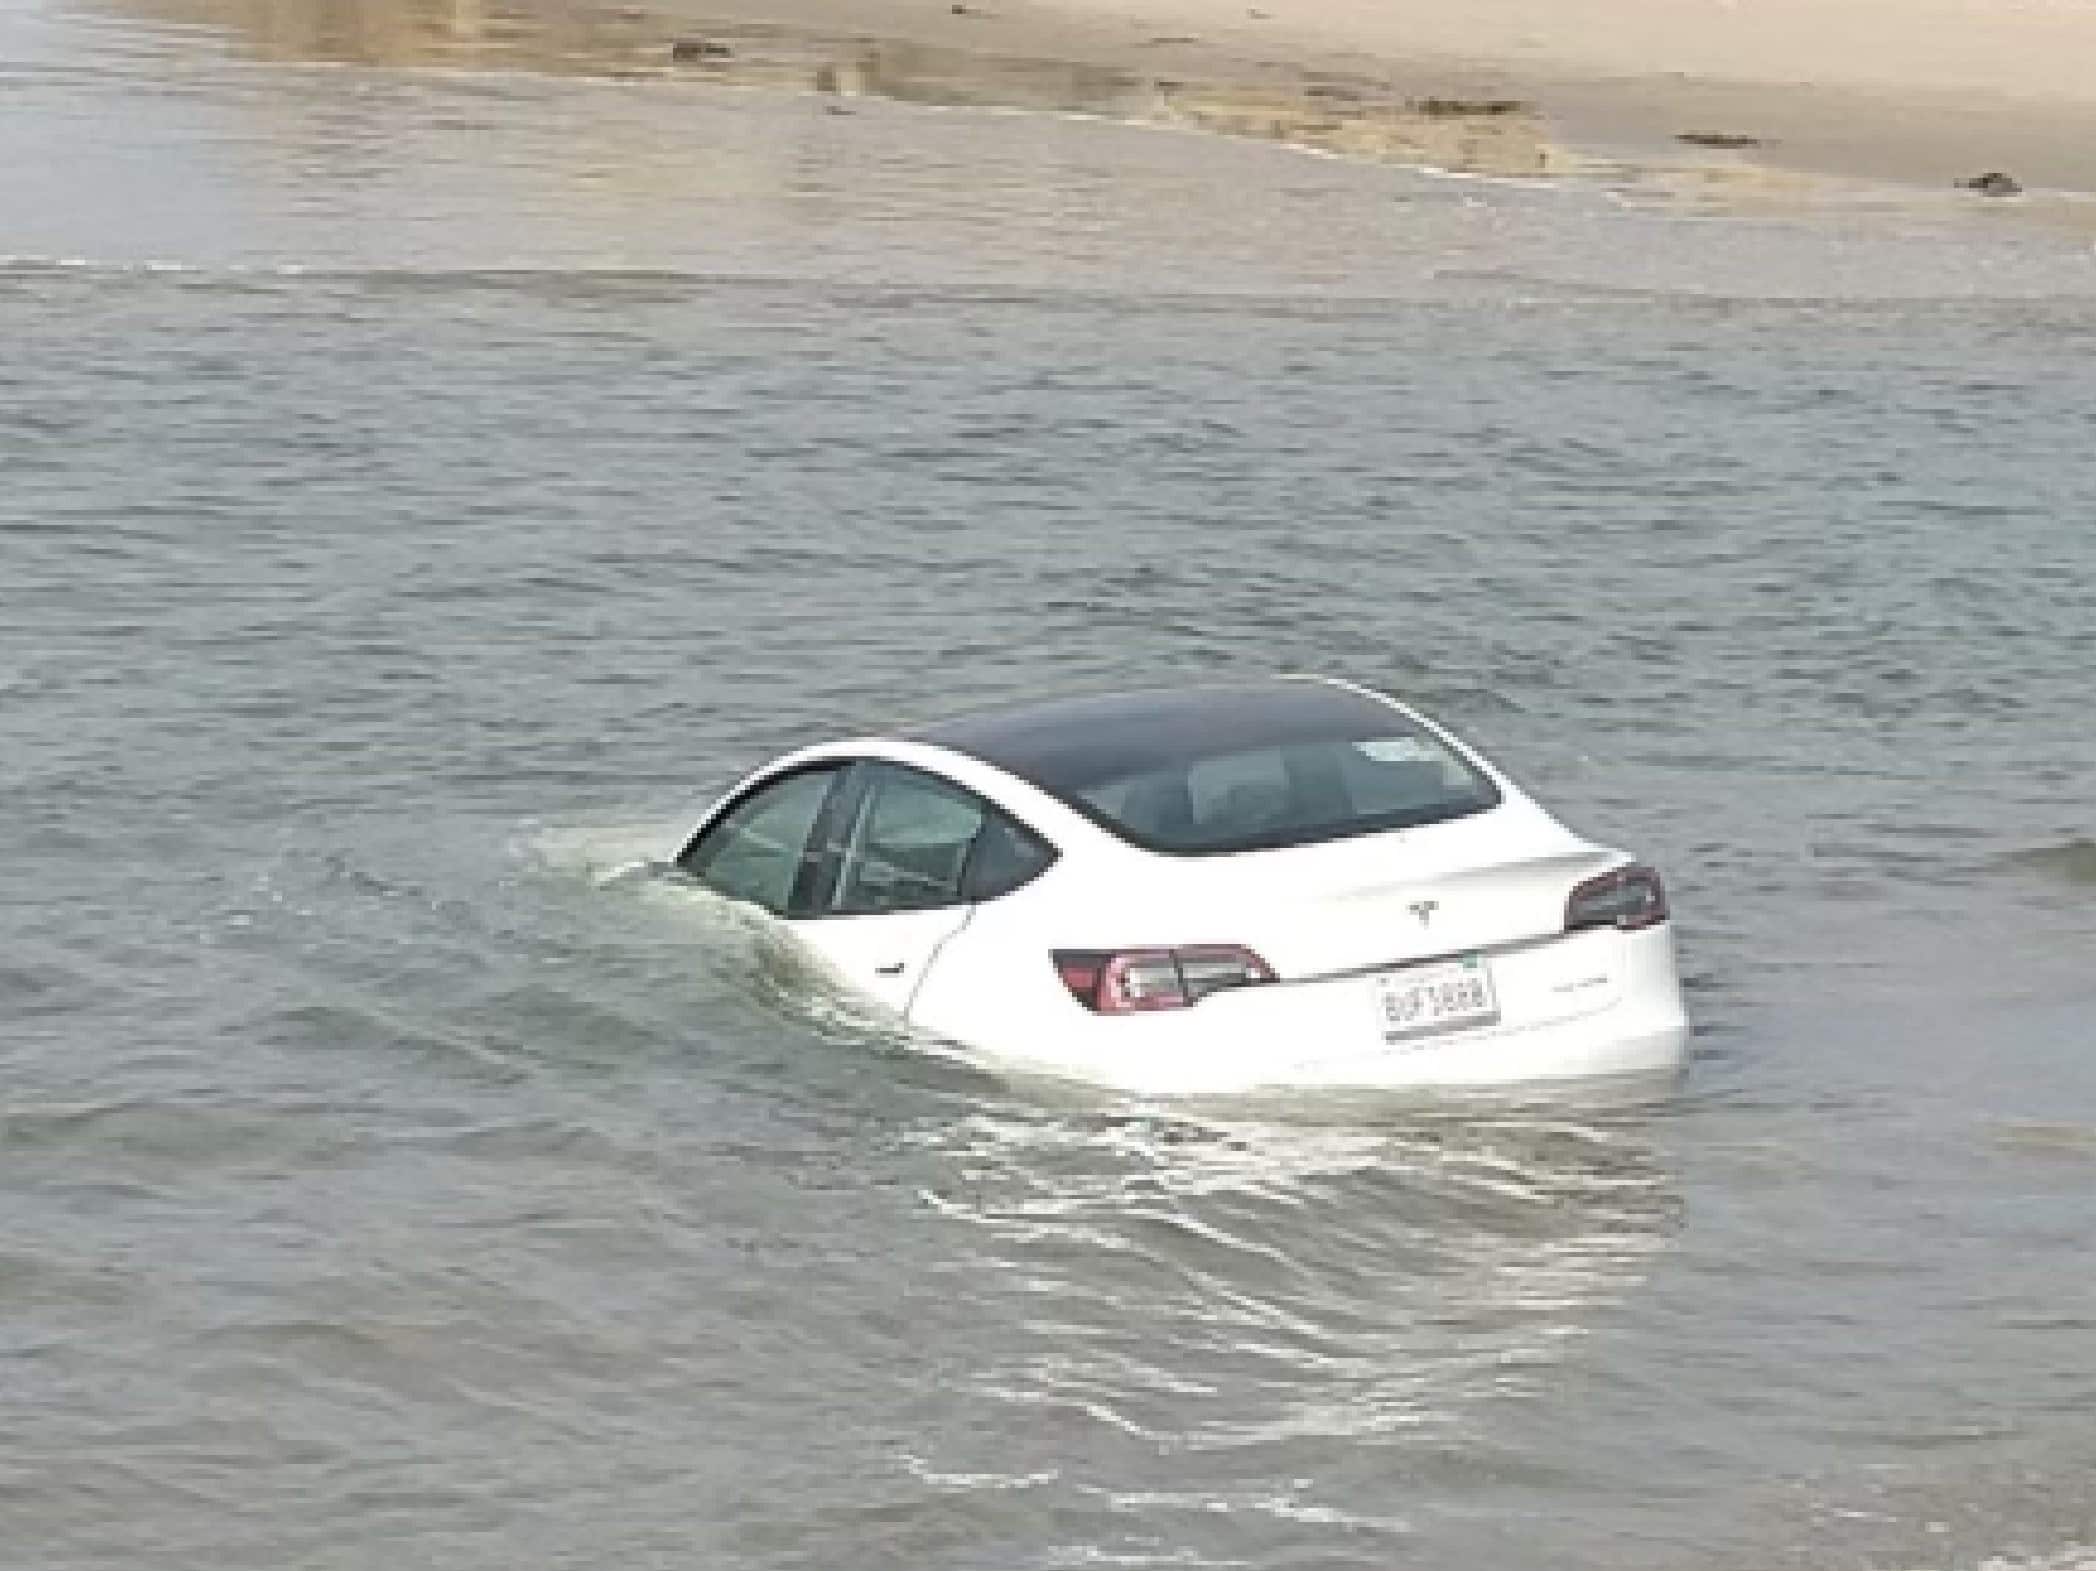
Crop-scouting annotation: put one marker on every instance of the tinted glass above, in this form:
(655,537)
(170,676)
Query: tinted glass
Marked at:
(1005,856)
(907,846)
(1308,791)
(1232,767)
(756,852)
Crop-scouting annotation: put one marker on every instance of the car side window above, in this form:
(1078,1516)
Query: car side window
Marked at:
(757,850)
(1005,855)
(906,847)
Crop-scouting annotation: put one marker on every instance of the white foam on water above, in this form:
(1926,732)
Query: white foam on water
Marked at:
(633,859)
(604,853)
(2074,1557)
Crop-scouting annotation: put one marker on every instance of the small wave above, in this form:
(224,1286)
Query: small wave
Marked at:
(628,285)
(522,276)
(2048,1138)
(606,854)
(2075,1557)
(1286,1507)
(763,952)
(19,263)
(970,1482)
(2071,861)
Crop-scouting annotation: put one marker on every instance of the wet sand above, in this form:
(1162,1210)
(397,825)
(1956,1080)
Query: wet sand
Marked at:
(1920,91)
(1726,105)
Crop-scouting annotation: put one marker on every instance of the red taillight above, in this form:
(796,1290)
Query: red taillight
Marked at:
(1135,981)
(1627,898)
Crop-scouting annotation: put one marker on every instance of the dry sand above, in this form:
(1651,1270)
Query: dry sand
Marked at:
(2043,49)
(1769,94)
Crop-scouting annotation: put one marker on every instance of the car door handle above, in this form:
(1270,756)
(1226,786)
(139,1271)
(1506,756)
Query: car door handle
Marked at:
(892,968)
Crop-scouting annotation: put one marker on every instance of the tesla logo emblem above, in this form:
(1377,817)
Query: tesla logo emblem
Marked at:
(1424,910)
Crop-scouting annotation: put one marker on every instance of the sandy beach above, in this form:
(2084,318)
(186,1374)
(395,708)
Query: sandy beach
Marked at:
(1920,91)
(2042,49)
(1730,101)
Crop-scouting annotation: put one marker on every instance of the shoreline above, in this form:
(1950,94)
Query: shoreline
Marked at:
(1287,71)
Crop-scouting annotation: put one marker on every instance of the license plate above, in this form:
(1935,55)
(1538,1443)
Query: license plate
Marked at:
(1448,996)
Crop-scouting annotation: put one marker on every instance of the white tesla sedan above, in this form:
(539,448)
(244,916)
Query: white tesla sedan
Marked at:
(1283,883)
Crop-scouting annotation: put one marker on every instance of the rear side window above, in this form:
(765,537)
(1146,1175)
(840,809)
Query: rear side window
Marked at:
(1308,791)
(759,850)
(915,843)
(1005,856)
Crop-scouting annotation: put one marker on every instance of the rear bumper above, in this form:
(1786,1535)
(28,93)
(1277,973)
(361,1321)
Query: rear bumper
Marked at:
(1557,1022)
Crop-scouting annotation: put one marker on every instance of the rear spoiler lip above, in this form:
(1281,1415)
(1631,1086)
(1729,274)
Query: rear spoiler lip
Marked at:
(1510,946)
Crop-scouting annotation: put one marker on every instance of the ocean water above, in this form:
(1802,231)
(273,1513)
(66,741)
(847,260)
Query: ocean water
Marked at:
(418,490)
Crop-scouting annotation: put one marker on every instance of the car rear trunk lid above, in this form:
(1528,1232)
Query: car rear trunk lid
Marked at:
(1391,899)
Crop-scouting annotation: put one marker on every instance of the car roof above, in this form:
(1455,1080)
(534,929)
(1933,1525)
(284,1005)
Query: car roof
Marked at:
(1066,744)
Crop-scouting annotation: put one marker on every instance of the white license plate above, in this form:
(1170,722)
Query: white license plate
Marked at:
(1448,996)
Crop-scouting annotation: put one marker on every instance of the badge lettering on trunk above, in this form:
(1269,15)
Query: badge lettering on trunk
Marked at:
(1424,910)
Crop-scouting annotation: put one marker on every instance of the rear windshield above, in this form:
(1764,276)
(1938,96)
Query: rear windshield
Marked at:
(1391,775)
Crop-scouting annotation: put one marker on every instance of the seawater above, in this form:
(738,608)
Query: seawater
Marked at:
(417,491)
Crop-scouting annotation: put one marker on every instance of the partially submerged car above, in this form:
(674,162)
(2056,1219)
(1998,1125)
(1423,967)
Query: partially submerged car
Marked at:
(1283,883)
